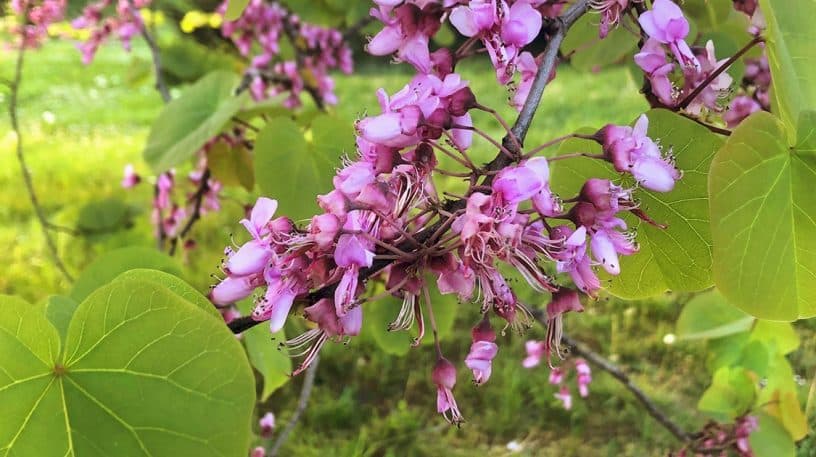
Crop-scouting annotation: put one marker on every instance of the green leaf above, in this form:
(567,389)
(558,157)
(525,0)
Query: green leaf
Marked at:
(755,357)
(789,42)
(103,216)
(679,257)
(143,372)
(231,166)
(289,170)
(590,51)
(173,283)
(762,222)
(707,13)
(59,310)
(376,317)
(709,316)
(188,122)
(109,265)
(781,334)
(731,393)
(332,137)
(771,439)
(267,354)
(792,416)
(235,8)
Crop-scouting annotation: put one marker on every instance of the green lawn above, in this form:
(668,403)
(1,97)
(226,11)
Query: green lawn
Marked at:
(365,402)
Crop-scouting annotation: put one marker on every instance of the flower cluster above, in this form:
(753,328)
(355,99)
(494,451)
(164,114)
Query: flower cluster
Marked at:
(318,50)
(124,22)
(719,439)
(583,374)
(38,16)
(385,227)
(503,27)
(756,85)
(667,27)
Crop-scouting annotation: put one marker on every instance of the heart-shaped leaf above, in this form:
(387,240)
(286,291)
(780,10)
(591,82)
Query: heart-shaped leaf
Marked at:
(762,221)
(142,372)
(189,121)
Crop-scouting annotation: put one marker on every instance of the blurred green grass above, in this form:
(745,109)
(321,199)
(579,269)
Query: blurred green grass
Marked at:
(81,125)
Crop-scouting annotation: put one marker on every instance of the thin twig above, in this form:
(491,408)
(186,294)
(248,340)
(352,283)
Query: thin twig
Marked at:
(519,129)
(599,361)
(714,74)
(197,198)
(161,84)
(29,183)
(303,402)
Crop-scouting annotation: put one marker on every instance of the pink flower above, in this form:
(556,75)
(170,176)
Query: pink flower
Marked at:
(740,108)
(258,451)
(652,59)
(666,23)
(563,301)
(482,351)
(630,150)
(584,376)
(572,258)
(717,89)
(407,33)
(234,288)
(529,69)
(131,178)
(535,351)
(267,425)
(444,376)
(565,397)
(556,376)
(258,223)
(610,13)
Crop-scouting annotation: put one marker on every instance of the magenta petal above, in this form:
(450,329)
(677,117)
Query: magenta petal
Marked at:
(655,174)
(604,252)
(387,41)
(379,129)
(252,257)
(464,20)
(280,309)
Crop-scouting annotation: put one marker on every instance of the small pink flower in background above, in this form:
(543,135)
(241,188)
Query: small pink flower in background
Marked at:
(584,376)
(556,376)
(444,376)
(267,425)
(563,301)
(745,427)
(131,178)
(716,90)
(535,351)
(258,451)
(565,397)
(740,108)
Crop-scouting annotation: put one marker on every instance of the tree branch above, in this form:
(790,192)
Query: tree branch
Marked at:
(29,183)
(303,402)
(714,74)
(607,366)
(561,25)
(197,198)
(161,84)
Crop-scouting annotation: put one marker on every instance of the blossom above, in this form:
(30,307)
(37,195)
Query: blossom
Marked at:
(610,11)
(407,32)
(535,351)
(715,90)
(131,178)
(563,301)
(258,451)
(482,351)
(652,60)
(267,424)
(740,108)
(666,23)
(584,376)
(630,150)
(565,397)
(444,376)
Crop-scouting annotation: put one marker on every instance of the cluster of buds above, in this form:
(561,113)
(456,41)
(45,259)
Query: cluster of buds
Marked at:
(124,22)
(37,17)
(318,50)
(723,439)
(667,27)
(536,350)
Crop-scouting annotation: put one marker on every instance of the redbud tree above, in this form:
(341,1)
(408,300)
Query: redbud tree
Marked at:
(395,224)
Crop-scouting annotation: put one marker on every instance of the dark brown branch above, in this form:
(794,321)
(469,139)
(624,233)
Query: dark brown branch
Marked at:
(690,97)
(599,361)
(560,27)
(197,198)
(303,402)
(29,183)
(161,84)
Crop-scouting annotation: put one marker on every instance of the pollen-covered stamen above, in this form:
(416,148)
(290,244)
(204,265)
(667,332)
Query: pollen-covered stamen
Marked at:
(311,355)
